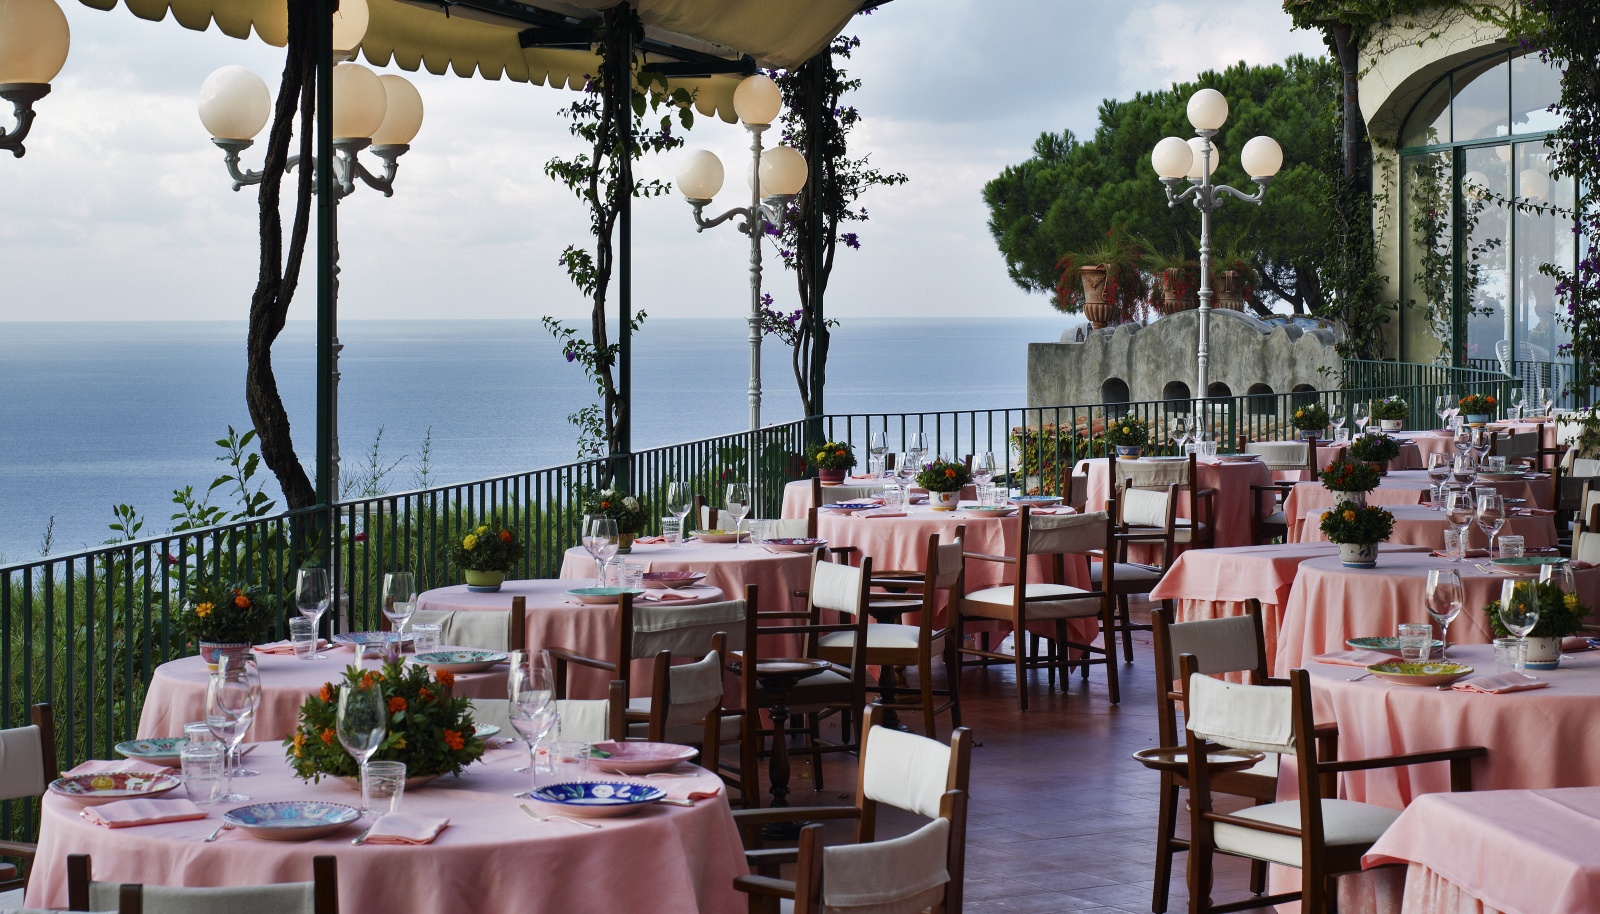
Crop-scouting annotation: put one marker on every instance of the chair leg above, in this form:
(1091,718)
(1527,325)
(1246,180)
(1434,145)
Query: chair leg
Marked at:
(952,676)
(1108,630)
(1127,629)
(1019,658)
(1258,877)
(1166,829)
(1060,652)
(814,736)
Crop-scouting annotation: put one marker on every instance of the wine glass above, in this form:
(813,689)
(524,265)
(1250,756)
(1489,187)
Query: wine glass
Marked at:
(1519,613)
(245,670)
(679,502)
(1441,407)
(1519,402)
(230,707)
(918,441)
(1561,577)
(1336,417)
(533,707)
(1445,596)
(399,601)
(362,723)
(1438,475)
(1463,469)
(983,468)
(878,444)
(1491,516)
(600,539)
(1361,413)
(312,598)
(1458,510)
(1546,399)
(738,504)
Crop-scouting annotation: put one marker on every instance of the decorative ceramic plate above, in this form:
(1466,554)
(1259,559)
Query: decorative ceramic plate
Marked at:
(599,799)
(848,507)
(1431,673)
(719,536)
(162,750)
(95,789)
(459,660)
(1036,501)
(292,820)
(1389,645)
(795,544)
(484,731)
(1238,458)
(640,758)
(990,510)
(671,580)
(1529,563)
(599,595)
(357,639)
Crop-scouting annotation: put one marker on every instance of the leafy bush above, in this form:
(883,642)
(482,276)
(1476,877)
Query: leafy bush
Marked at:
(1374,447)
(1349,476)
(1349,522)
(1560,614)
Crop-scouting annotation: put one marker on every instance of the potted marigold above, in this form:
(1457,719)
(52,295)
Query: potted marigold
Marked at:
(833,459)
(1351,478)
(1375,449)
(485,555)
(224,619)
(1357,529)
(1560,614)
(430,728)
(1477,408)
(944,479)
(1129,435)
(1311,420)
(627,510)
(1391,413)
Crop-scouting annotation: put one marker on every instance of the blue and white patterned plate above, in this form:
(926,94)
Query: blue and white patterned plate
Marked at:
(162,750)
(484,731)
(599,799)
(1033,501)
(459,660)
(356,639)
(292,820)
(848,506)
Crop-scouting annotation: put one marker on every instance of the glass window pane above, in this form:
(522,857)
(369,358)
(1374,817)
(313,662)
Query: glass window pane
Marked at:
(1425,190)
(1482,107)
(1429,122)
(1535,86)
(1540,239)
(1486,273)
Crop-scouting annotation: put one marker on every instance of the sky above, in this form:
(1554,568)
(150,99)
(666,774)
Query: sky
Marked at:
(122,209)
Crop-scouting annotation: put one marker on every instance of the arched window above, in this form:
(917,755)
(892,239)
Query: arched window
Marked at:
(1261,398)
(1175,391)
(1218,391)
(1475,139)
(1114,392)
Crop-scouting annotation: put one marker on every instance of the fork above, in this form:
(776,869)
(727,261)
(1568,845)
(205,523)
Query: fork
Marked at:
(226,826)
(1358,678)
(539,818)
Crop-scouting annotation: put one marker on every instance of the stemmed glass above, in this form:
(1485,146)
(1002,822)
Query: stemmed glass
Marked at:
(1519,402)
(878,444)
(1445,597)
(533,707)
(1438,475)
(1336,415)
(1546,400)
(1458,510)
(679,502)
(918,443)
(362,723)
(312,598)
(1491,516)
(399,601)
(983,468)
(1463,469)
(231,700)
(1441,408)
(600,539)
(1519,614)
(738,504)
(1361,413)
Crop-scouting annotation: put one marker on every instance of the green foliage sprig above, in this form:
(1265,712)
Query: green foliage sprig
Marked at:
(226,613)
(1390,408)
(944,476)
(430,728)
(1349,522)
(1560,614)
(487,547)
(1128,431)
(1349,476)
(832,455)
(1374,447)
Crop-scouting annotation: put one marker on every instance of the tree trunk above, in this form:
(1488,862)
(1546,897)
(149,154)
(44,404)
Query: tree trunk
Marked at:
(275,285)
(1355,127)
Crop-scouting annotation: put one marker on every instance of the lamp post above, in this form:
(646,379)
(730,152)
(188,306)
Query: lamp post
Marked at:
(1175,159)
(380,114)
(777,174)
(34,39)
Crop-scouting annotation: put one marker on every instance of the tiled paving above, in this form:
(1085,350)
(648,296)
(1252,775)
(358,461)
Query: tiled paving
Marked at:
(1061,818)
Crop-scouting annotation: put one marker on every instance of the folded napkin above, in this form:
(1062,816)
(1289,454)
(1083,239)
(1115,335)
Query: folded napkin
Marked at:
(1581,566)
(399,828)
(864,477)
(125,813)
(1576,644)
(121,766)
(645,541)
(671,596)
(287,647)
(1354,658)
(881,514)
(1471,554)
(1497,683)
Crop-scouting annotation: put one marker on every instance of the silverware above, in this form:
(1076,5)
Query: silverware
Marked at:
(1358,678)
(538,818)
(673,801)
(362,838)
(226,826)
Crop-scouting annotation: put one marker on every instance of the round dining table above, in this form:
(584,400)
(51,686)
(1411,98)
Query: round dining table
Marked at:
(1329,603)
(492,857)
(1412,487)
(1424,525)
(177,693)
(797,494)
(726,566)
(555,619)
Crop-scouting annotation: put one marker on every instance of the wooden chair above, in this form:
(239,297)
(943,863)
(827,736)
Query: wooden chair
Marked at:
(27,766)
(1129,578)
(897,646)
(1517,447)
(902,770)
(1054,537)
(1267,519)
(1570,479)
(1148,496)
(486,630)
(1322,836)
(319,896)
(827,495)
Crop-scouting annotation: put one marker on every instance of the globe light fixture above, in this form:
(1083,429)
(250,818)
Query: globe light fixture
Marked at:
(776,177)
(349,27)
(34,40)
(1195,159)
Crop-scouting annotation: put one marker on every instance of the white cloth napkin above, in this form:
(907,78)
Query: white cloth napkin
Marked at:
(126,813)
(1497,683)
(287,647)
(400,828)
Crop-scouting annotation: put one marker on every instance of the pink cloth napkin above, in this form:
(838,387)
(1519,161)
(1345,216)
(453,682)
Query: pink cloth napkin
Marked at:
(399,828)
(1061,510)
(881,514)
(1471,554)
(1354,658)
(125,813)
(1497,683)
(688,792)
(668,597)
(1575,644)
(287,647)
(644,540)
(122,766)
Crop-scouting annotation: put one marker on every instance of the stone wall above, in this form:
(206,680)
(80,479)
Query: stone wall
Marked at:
(1158,362)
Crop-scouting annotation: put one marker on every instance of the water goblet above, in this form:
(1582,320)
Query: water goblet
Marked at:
(246,671)
(983,468)
(312,598)
(1491,516)
(1519,613)
(1458,509)
(1547,400)
(1438,475)
(679,502)
(878,444)
(738,504)
(362,721)
(1463,469)
(600,539)
(1361,413)
(1441,407)
(228,715)
(399,601)
(1445,596)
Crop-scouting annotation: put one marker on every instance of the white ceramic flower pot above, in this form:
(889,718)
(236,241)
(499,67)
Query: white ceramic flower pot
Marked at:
(1358,555)
(943,501)
(1391,425)
(1544,653)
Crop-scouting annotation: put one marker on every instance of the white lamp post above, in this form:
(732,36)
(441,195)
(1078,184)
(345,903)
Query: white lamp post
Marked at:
(383,113)
(776,175)
(34,39)
(1175,159)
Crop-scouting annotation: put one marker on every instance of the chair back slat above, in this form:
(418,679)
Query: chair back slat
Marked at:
(290,898)
(1154,474)
(1145,507)
(1225,645)
(694,689)
(1241,716)
(836,587)
(685,630)
(904,875)
(1073,533)
(946,568)
(484,629)
(905,770)
(22,771)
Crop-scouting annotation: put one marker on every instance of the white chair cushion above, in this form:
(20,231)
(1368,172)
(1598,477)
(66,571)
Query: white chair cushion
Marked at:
(906,771)
(1344,824)
(886,643)
(1087,603)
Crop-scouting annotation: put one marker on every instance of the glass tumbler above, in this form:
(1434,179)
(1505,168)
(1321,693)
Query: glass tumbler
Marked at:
(382,786)
(425,637)
(203,767)
(1511,546)
(1416,641)
(1509,653)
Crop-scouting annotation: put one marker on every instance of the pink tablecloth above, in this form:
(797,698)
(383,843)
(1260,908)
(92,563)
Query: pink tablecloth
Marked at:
(554,620)
(1429,442)
(1329,603)
(491,858)
(1409,487)
(1517,851)
(777,575)
(1213,583)
(797,494)
(1231,480)
(1421,525)
(177,694)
